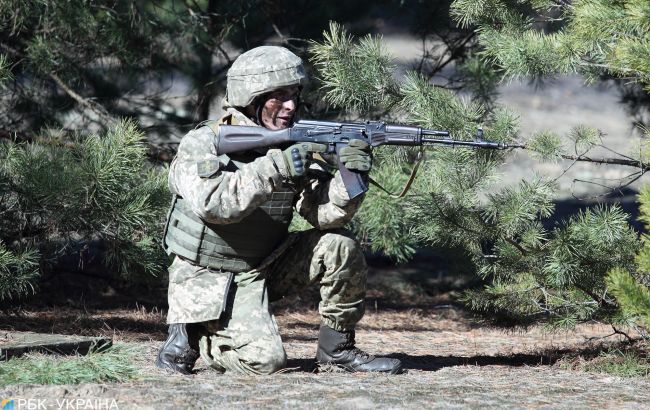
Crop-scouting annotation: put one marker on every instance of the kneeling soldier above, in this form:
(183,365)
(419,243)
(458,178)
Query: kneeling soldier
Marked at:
(228,230)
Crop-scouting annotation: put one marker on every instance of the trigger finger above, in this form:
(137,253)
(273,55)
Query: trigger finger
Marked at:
(360,144)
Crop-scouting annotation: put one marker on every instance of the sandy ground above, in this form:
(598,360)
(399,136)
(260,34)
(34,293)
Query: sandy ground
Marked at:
(452,359)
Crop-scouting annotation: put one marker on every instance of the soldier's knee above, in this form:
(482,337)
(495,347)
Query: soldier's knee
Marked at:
(341,240)
(270,361)
(342,257)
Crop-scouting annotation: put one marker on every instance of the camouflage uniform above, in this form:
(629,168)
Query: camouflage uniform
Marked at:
(242,333)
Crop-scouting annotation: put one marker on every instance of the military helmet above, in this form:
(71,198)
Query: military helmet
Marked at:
(262,70)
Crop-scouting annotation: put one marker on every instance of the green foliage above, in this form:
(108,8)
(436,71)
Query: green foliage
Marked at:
(380,222)
(559,274)
(435,107)
(511,15)
(584,138)
(542,38)
(581,254)
(546,146)
(5,72)
(633,297)
(18,271)
(94,189)
(631,286)
(554,274)
(356,75)
(644,207)
(84,63)
(530,53)
(481,79)
(514,208)
(115,364)
(617,362)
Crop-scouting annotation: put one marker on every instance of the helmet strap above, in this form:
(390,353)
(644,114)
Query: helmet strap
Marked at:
(258,112)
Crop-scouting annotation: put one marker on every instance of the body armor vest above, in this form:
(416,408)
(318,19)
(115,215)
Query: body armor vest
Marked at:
(235,247)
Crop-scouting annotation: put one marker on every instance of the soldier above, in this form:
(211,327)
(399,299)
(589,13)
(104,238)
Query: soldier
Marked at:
(228,230)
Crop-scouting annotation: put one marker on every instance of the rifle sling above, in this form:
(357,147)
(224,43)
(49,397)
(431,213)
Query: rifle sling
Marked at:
(408,184)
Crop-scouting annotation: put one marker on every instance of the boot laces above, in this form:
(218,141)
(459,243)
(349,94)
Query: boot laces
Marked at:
(358,352)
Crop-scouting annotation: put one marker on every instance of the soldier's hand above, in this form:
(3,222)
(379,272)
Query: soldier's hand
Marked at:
(298,157)
(356,156)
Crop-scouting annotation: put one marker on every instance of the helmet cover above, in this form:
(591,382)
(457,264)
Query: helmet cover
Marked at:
(262,70)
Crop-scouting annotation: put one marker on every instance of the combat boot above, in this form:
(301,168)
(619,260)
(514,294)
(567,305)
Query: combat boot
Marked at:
(181,349)
(337,348)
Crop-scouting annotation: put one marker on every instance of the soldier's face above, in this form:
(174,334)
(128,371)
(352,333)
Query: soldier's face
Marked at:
(279,107)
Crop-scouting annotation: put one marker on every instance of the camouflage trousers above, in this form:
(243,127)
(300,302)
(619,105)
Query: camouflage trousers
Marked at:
(241,332)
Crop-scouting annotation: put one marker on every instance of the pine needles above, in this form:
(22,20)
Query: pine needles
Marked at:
(96,188)
(115,364)
(554,274)
(356,75)
(544,38)
(18,271)
(5,73)
(631,285)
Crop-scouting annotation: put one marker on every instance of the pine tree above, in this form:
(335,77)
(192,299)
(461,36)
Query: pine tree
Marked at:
(588,37)
(95,189)
(556,274)
(632,287)
(84,65)
(597,39)
(79,64)
(594,38)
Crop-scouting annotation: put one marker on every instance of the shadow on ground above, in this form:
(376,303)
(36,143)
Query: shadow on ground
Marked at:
(432,363)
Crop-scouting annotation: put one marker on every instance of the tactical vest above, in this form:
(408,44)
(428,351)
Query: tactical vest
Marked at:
(235,247)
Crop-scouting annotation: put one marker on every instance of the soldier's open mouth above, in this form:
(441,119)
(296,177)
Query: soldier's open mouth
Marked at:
(283,121)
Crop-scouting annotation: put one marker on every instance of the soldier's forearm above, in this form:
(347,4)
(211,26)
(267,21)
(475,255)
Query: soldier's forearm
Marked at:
(228,197)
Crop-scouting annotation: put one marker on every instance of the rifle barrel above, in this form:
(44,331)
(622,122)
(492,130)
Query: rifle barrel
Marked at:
(463,143)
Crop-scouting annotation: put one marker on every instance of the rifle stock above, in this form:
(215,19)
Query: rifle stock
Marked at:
(236,138)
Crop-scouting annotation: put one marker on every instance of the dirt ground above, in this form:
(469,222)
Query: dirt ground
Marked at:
(453,361)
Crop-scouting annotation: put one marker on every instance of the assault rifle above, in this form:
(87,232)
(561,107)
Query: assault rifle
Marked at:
(336,135)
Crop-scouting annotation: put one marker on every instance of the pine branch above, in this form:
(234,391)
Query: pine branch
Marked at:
(451,59)
(601,301)
(603,160)
(94,107)
(514,243)
(614,161)
(620,332)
